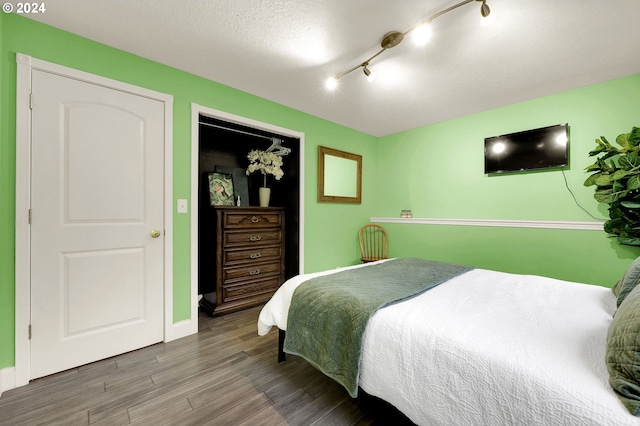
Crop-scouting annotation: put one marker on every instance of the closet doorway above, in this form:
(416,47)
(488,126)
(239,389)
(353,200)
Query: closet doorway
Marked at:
(221,143)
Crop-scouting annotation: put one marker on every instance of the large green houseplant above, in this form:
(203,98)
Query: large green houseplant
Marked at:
(616,176)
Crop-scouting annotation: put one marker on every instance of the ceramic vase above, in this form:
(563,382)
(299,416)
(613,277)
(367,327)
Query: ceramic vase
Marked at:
(264,194)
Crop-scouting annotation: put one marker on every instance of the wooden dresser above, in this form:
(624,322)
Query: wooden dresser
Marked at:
(249,256)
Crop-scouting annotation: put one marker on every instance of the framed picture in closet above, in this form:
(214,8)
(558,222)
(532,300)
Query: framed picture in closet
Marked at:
(240,183)
(220,189)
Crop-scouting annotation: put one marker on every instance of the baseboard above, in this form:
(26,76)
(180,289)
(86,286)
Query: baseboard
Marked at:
(7,379)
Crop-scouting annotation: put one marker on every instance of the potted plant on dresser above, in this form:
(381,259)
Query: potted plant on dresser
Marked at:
(266,163)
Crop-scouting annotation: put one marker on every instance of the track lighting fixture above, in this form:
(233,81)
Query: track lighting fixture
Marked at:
(394,38)
(370,75)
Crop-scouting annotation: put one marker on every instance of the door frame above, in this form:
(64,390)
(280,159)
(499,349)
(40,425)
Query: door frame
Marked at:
(196,110)
(25,65)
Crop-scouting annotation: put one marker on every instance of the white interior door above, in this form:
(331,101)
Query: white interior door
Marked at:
(96,198)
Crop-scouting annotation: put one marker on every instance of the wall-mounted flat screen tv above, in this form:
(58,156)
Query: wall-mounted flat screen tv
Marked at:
(536,149)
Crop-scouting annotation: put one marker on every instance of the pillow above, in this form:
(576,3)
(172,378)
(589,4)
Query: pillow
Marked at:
(616,287)
(628,282)
(623,352)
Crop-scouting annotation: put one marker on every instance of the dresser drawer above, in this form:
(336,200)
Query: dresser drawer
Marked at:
(237,291)
(257,237)
(252,255)
(250,272)
(251,220)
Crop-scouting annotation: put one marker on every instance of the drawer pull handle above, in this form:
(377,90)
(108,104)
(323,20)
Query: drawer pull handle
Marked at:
(254,238)
(255,255)
(254,272)
(254,219)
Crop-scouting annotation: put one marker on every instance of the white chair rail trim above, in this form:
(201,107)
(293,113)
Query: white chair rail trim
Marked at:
(503,223)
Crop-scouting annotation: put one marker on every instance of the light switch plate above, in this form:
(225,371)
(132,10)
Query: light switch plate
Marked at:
(182,206)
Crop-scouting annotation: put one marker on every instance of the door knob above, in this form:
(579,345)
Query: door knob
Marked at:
(155,233)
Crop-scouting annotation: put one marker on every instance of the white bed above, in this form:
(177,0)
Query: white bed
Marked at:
(487,348)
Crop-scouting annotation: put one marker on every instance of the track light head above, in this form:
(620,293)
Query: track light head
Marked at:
(487,17)
(484,9)
(370,75)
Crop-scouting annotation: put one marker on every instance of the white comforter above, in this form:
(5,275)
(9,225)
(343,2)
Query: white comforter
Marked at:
(488,348)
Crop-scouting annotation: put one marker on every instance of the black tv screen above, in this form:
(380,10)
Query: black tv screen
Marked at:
(535,149)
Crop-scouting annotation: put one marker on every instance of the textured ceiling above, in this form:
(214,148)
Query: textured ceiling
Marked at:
(284,50)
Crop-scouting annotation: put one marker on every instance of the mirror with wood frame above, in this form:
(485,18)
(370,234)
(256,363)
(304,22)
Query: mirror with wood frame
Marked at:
(339,176)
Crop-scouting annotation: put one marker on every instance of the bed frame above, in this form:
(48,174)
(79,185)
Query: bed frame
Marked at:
(281,356)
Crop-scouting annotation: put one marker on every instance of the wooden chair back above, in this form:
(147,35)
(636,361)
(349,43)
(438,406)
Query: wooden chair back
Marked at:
(374,244)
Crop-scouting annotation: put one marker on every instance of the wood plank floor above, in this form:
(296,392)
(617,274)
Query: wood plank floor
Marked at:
(224,375)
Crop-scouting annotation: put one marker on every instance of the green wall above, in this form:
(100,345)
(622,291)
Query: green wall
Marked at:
(438,172)
(326,226)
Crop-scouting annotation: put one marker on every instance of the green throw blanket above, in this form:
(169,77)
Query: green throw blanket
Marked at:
(328,315)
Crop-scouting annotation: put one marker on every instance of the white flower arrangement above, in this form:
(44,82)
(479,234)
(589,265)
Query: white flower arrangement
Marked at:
(266,162)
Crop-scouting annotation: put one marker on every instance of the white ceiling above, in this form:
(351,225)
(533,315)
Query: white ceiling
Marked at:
(284,50)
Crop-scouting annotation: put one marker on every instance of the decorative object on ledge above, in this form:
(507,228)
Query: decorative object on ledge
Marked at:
(266,163)
(421,32)
(406,214)
(616,176)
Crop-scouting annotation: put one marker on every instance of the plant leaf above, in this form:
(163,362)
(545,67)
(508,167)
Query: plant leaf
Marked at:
(605,166)
(597,151)
(618,186)
(633,182)
(603,179)
(600,147)
(629,241)
(605,196)
(623,141)
(629,161)
(609,155)
(634,136)
(608,146)
(613,226)
(619,174)
(592,168)
(630,204)
(591,180)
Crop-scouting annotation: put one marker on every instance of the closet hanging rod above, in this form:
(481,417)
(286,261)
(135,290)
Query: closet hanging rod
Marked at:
(276,143)
(236,130)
